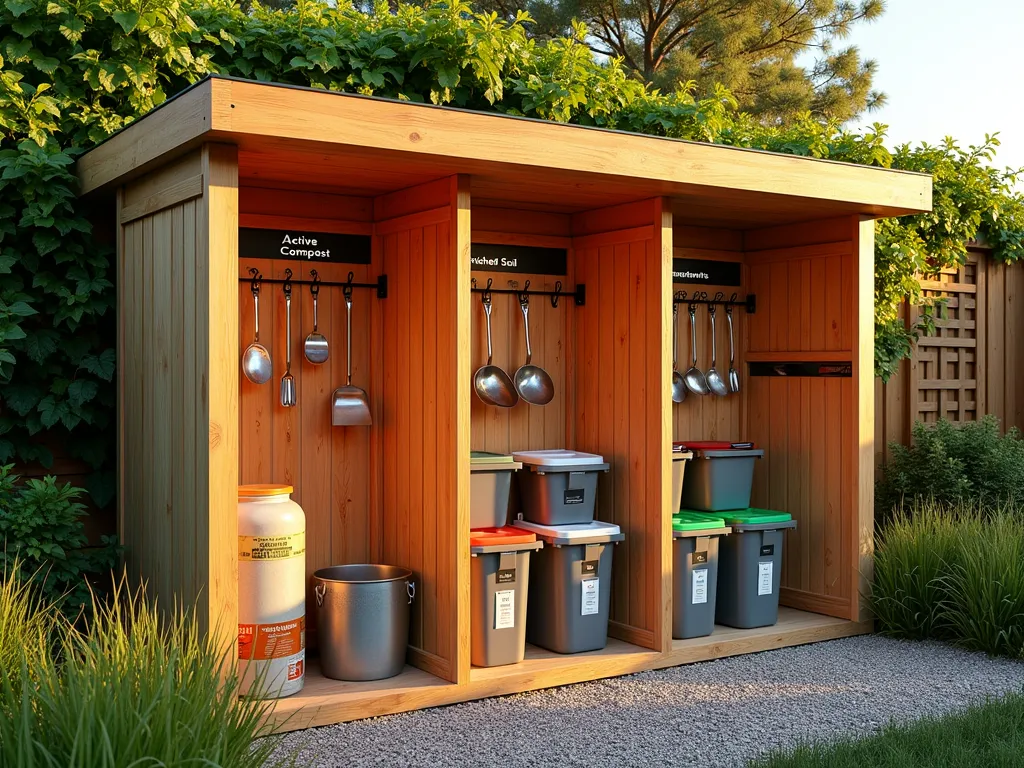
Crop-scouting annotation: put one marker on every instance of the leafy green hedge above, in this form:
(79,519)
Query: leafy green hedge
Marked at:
(73,71)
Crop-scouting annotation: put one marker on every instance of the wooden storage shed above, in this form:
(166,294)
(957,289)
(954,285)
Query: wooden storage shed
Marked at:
(406,192)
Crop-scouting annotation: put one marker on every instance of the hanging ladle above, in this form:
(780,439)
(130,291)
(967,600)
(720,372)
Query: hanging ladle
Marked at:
(713,377)
(678,385)
(315,347)
(694,379)
(256,363)
(532,382)
(491,383)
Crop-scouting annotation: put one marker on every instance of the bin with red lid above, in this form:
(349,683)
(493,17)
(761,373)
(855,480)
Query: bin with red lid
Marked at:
(500,576)
(720,475)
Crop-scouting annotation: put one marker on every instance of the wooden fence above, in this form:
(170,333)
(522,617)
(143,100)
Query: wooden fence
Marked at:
(969,368)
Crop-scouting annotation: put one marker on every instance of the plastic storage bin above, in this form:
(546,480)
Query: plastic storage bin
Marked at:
(558,487)
(500,573)
(679,458)
(695,573)
(490,479)
(571,586)
(720,476)
(750,568)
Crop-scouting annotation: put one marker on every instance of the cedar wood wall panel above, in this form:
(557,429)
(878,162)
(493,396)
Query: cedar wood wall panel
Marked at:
(177,333)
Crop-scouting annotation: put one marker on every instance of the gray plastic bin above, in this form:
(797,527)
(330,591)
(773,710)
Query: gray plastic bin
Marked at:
(558,487)
(750,568)
(679,458)
(719,479)
(500,574)
(490,480)
(695,573)
(571,585)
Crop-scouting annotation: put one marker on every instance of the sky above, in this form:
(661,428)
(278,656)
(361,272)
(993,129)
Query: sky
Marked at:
(949,68)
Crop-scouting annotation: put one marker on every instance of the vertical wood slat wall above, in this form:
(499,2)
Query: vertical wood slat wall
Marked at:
(177,441)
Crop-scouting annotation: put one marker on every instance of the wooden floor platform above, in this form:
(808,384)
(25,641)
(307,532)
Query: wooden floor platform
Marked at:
(324,701)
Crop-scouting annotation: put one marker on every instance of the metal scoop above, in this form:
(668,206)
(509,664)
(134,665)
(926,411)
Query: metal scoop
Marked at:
(694,379)
(350,407)
(678,385)
(491,383)
(288,398)
(256,364)
(315,347)
(714,378)
(532,382)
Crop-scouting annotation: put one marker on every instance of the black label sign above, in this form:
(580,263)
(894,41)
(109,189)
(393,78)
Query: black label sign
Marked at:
(518,258)
(573,496)
(312,247)
(838,370)
(589,569)
(507,576)
(767,550)
(705,272)
(699,558)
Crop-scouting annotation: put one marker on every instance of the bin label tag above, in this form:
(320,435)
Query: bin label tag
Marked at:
(699,558)
(505,609)
(764,578)
(573,496)
(591,594)
(588,568)
(280,547)
(767,550)
(506,576)
(700,587)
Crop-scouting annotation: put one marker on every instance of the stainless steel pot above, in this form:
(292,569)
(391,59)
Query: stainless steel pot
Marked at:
(363,620)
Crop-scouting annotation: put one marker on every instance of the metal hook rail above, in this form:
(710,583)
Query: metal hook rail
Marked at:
(748,303)
(256,279)
(579,295)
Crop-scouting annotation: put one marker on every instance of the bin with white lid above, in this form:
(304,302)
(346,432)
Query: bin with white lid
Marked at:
(720,476)
(680,455)
(695,540)
(500,574)
(750,567)
(570,587)
(558,487)
(490,479)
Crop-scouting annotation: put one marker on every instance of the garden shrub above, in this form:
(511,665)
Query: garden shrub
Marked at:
(43,542)
(951,462)
(135,687)
(952,572)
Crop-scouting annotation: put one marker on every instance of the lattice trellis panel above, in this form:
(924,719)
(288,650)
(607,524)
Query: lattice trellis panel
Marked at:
(944,373)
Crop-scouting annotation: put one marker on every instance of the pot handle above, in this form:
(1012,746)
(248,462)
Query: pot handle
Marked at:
(320,590)
(410,587)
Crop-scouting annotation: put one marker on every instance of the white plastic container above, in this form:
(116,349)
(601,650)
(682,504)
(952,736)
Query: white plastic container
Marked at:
(271,590)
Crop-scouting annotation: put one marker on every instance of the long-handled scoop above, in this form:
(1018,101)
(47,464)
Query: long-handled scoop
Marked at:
(351,406)
(256,363)
(714,378)
(694,379)
(288,398)
(491,383)
(678,385)
(532,382)
(315,347)
(734,376)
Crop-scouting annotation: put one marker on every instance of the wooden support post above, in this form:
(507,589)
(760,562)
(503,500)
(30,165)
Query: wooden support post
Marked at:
(862,519)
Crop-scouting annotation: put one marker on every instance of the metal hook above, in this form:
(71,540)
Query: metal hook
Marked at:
(346,290)
(287,282)
(719,296)
(257,279)
(524,296)
(314,288)
(558,293)
(732,298)
(487,291)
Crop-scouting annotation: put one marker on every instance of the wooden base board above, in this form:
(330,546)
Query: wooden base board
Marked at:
(324,701)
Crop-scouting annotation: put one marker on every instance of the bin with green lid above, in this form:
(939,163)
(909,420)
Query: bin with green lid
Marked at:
(490,479)
(695,539)
(750,567)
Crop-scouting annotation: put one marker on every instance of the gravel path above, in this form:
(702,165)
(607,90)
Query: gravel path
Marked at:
(719,713)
